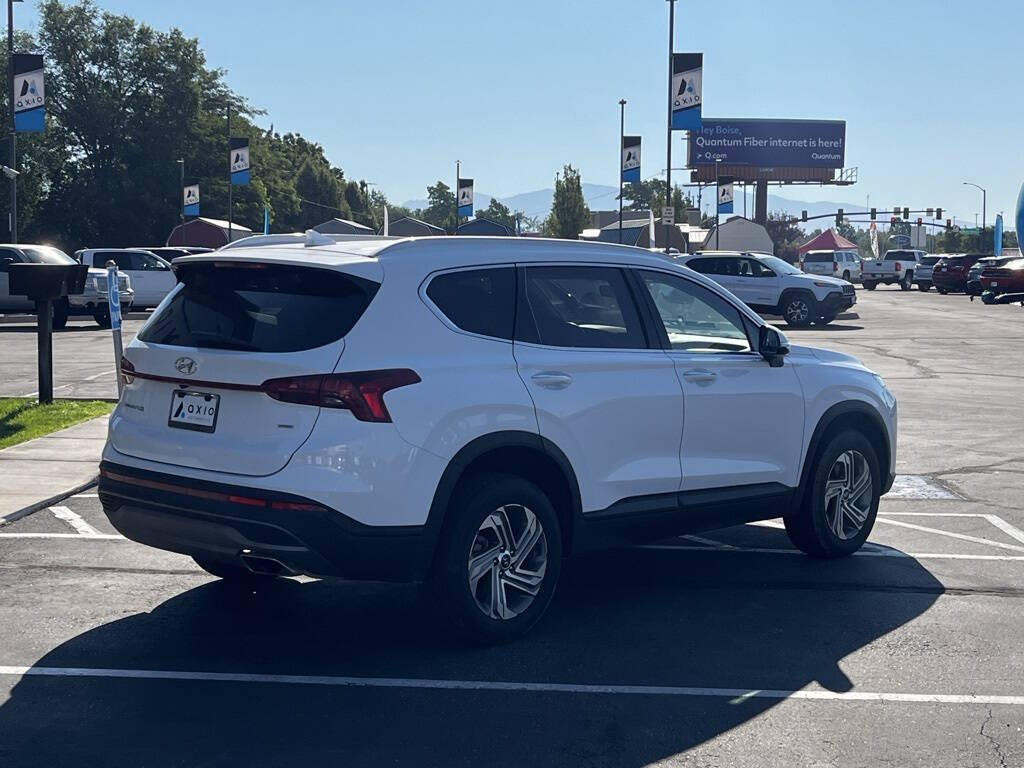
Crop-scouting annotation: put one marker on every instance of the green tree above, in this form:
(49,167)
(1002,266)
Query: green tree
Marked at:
(569,213)
(847,230)
(499,212)
(785,234)
(441,210)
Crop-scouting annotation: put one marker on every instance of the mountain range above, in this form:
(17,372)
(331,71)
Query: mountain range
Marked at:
(602,197)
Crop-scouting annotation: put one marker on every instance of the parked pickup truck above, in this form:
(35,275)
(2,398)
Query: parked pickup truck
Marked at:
(898,267)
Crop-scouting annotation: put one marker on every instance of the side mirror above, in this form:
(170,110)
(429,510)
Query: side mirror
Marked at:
(771,346)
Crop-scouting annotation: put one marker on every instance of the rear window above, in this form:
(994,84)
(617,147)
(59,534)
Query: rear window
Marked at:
(899,255)
(259,308)
(46,255)
(819,258)
(930,261)
(477,300)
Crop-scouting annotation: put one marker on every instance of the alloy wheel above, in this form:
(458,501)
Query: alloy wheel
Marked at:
(507,561)
(848,494)
(797,311)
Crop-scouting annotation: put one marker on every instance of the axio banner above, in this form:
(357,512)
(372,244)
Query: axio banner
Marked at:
(687,79)
(190,200)
(769,143)
(465,197)
(29,93)
(239,161)
(630,159)
(725,194)
(997,236)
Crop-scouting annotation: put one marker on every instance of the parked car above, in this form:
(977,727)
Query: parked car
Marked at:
(150,275)
(1002,281)
(770,285)
(950,272)
(923,274)
(843,264)
(92,301)
(974,286)
(541,400)
(170,253)
(897,267)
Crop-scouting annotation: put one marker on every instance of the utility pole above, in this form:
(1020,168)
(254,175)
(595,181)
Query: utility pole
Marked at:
(718,163)
(622,140)
(14,135)
(181,188)
(458,179)
(984,201)
(668,126)
(230,191)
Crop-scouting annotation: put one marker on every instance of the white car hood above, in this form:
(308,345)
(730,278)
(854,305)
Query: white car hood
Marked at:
(829,356)
(833,281)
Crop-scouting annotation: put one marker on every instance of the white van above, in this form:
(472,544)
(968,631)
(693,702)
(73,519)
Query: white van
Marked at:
(843,264)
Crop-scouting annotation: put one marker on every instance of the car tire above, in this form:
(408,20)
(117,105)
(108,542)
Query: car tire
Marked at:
(102,319)
(942,291)
(987,297)
(840,500)
(798,309)
(234,574)
(490,592)
(60,314)
(846,275)
(924,286)
(907,282)
(870,284)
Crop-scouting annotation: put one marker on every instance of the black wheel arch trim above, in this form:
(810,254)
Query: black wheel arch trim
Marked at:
(827,419)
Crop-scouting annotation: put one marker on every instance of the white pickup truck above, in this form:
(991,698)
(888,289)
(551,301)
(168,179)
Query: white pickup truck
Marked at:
(898,266)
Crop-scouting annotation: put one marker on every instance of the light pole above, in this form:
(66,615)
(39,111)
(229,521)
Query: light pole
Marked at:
(668,127)
(181,188)
(14,135)
(718,164)
(622,139)
(984,197)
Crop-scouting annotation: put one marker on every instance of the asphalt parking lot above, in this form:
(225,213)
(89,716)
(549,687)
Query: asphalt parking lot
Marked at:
(723,649)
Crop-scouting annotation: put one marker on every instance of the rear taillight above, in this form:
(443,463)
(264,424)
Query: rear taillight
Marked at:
(835,266)
(127,370)
(362,392)
(898,266)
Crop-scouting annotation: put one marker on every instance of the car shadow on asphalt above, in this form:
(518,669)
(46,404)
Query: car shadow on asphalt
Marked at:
(33,328)
(660,617)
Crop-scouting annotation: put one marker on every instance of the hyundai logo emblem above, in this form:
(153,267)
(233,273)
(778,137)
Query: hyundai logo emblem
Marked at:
(186,365)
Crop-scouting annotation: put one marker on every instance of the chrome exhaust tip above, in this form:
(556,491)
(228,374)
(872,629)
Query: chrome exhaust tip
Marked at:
(264,565)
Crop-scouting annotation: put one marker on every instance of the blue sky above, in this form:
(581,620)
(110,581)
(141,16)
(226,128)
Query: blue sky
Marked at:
(396,92)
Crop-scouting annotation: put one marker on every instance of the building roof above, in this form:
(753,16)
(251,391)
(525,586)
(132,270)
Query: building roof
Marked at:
(343,227)
(484,226)
(407,225)
(829,240)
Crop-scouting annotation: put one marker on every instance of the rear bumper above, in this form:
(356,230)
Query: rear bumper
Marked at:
(221,522)
(949,282)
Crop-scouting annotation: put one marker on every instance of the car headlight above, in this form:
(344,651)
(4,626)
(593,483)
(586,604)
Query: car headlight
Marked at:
(823,285)
(887,397)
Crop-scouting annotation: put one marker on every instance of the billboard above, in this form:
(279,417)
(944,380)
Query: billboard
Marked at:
(769,143)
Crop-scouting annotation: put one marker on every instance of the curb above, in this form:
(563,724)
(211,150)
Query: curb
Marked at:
(10,517)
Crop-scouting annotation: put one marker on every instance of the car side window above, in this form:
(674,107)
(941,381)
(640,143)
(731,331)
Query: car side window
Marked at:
(585,307)
(147,262)
(704,266)
(477,300)
(695,318)
(120,258)
(7,257)
(730,267)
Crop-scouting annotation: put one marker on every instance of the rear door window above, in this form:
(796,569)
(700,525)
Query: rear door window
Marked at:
(586,307)
(259,307)
(477,300)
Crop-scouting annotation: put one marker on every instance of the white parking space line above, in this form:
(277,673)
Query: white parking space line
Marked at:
(86,496)
(74,520)
(68,386)
(737,695)
(879,552)
(918,487)
(951,534)
(68,536)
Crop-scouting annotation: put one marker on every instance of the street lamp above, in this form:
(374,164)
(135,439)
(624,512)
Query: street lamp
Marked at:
(984,196)
(622,139)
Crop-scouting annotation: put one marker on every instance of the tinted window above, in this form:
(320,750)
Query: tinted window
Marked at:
(579,307)
(123,259)
(818,258)
(696,319)
(899,255)
(8,257)
(148,262)
(259,308)
(478,300)
(929,261)
(45,255)
(753,268)
(705,266)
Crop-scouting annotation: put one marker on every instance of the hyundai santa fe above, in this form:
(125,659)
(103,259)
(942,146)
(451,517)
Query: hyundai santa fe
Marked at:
(468,412)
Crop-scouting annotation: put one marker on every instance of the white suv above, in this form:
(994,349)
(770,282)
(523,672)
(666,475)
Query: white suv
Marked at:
(768,284)
(469,411)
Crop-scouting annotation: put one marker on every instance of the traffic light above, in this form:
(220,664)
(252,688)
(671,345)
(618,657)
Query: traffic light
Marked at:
(839,217)
(938,213)
(874,213)
(931,212)
(919,222)
(906,214)
(892,220)
(949,223)
(803,215)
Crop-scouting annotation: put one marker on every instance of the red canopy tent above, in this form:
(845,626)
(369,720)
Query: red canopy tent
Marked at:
(829,240)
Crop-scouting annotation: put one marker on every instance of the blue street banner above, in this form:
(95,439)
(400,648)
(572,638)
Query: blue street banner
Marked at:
(113,299)
(239,161)
(997,236)
(630,159)
(190,200)
(266,220)
(769,143)
(687,81)
(29,93)
(465,197)
(725,194)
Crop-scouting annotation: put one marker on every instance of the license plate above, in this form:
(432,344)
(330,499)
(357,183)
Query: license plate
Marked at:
(194,410)
(994,284)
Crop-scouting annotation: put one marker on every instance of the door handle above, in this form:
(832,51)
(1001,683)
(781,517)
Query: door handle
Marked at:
(552,379)
(699,374)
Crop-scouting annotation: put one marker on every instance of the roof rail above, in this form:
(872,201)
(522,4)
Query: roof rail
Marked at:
(310,238)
